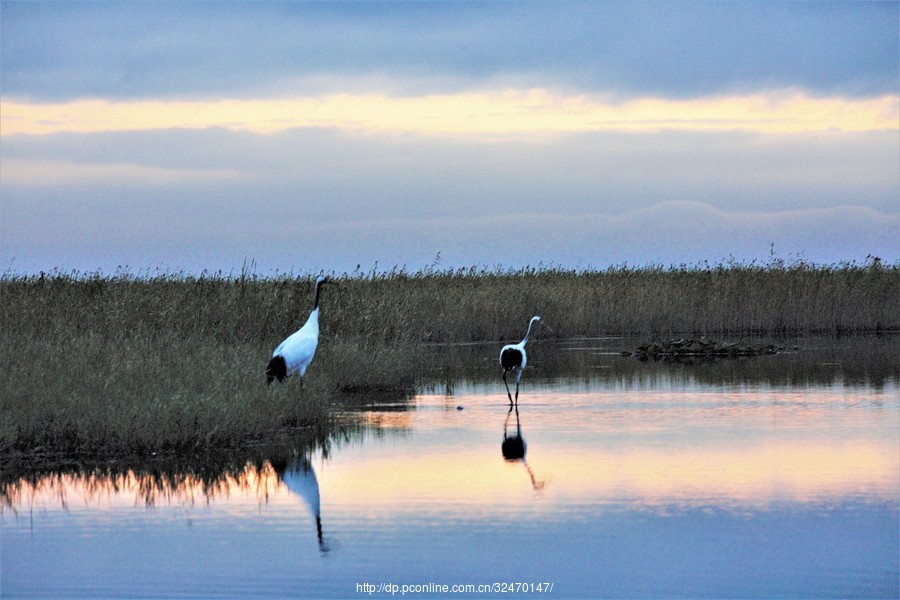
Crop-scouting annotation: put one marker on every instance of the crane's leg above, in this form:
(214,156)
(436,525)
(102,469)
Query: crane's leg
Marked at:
(518,377)
(507,389)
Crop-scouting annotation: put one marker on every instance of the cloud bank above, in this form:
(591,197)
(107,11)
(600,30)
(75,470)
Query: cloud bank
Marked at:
(311,136)
(63,51)
(303,199)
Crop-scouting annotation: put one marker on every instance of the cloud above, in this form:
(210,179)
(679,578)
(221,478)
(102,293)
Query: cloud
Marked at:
(325,135)
(508,112)
(311,199)
(62,51)
(330,175)
(63,173)
(666,233)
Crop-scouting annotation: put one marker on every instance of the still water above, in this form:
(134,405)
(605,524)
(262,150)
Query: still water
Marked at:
(775,476)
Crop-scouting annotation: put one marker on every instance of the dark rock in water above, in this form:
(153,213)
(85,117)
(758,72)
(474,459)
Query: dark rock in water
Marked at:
(680,349)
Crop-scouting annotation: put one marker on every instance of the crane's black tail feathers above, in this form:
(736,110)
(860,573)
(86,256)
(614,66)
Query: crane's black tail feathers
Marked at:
(510,359)
(277,369)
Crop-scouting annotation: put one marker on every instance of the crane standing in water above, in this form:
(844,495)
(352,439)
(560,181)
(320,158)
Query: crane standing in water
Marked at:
(294,354)
(513,358)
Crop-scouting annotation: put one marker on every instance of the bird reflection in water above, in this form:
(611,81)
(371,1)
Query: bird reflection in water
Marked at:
(300,479)
(513,447)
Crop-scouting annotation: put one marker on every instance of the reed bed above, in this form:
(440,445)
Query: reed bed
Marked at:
(466,304)
(142,364)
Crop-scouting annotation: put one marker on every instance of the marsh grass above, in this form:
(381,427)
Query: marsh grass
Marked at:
(143,393)
(728,299)
(96,365)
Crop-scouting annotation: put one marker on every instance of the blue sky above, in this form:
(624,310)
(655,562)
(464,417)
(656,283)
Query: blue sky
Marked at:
(308,136)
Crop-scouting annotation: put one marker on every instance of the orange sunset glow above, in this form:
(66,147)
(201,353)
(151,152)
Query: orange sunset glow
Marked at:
(748,477)
(751,475)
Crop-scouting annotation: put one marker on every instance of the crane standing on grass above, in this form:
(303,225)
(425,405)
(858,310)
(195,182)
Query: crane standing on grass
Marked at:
(513,358)
(294,354)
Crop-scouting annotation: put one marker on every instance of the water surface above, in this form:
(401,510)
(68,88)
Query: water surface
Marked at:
(770,476)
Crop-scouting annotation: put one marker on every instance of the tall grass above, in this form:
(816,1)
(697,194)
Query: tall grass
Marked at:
(143,364)
(465,304)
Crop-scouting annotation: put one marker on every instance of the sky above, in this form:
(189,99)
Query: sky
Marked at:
(299,137)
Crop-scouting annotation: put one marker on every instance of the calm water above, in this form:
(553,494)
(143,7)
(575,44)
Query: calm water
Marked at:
(765,477)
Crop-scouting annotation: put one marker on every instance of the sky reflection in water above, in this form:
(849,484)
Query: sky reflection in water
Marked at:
(661,487)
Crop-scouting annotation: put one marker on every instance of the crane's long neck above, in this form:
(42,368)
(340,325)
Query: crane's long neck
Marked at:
(318,294)
(527,333)
(313,319)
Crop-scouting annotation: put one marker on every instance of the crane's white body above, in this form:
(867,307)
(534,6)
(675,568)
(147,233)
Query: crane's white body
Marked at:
(520,348)
(299,348)
(293,355)
(515,359)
